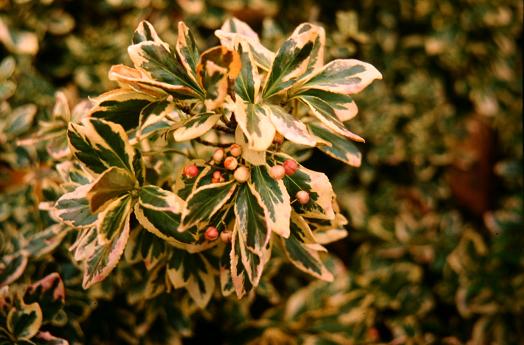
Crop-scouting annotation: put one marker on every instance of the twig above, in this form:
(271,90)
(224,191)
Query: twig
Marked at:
(208,143)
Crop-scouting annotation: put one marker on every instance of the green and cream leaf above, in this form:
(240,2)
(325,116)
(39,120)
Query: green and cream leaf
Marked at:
(235,31)
(73,208)
(293,60)
(194,272)
(256,125)
(122,106)
(105,257)
(204,202)
(302,250)
(345,76)
(251,221)
(113,219)
(340,148)
(100,145)
(111,184)
(274,198)
(196,126)
(291,128)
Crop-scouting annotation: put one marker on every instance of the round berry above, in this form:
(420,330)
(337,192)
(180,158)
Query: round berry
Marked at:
(211,233)
(242,174)
(235,150)
(217,177)
(277,172)
(230,163)
(225,236)
(191,171)
(218,155)
(302,197)
(290,166)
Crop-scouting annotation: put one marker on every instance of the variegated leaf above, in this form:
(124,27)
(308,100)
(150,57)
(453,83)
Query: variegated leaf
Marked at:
(320,192)
(155,60)
(73,208)
(24,321)
(12,267)
(215,67)
(105,257)
(112,184)
(245,265)
(302,250)
(100,144)
(132,78)
(345,76)
(343,105)
(340,148)
(49,293)
(234,31)
(273,196)
(193,272)
(85,244)
(247,84)
(226,281)
(205,201)
(122,106)
(249,155)
(146,32)
(144,246)
(255,124)
(251,221)
(157,117)
(158,211)
(293,59)
(326,112)
(187,50)
(291,128)
(44,242)
(196,126)
(156,198)
(114,218)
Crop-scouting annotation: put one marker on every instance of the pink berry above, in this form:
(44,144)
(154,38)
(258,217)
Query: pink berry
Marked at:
(211,233)
(277,172)
(302,197)
(290,167)
(217,177)
(218,155)
(235,150)
(225,236)
(242,174)
(230,163)
(191,171)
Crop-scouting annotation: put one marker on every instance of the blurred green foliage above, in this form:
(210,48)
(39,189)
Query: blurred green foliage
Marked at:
(436,210)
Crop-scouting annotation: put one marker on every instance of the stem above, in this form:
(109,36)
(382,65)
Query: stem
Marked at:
(208,143)
(145,153)
(224,129)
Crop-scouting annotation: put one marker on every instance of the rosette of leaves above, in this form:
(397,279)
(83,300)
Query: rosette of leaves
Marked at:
(180,102)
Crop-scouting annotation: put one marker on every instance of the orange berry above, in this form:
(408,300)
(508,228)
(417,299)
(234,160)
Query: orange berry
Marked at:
(235,150)
(230,163)
(279,138)
(290,166)
(218,155)
(302,197)
(217,177)
(225,236)
(277,172)
(242,174)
